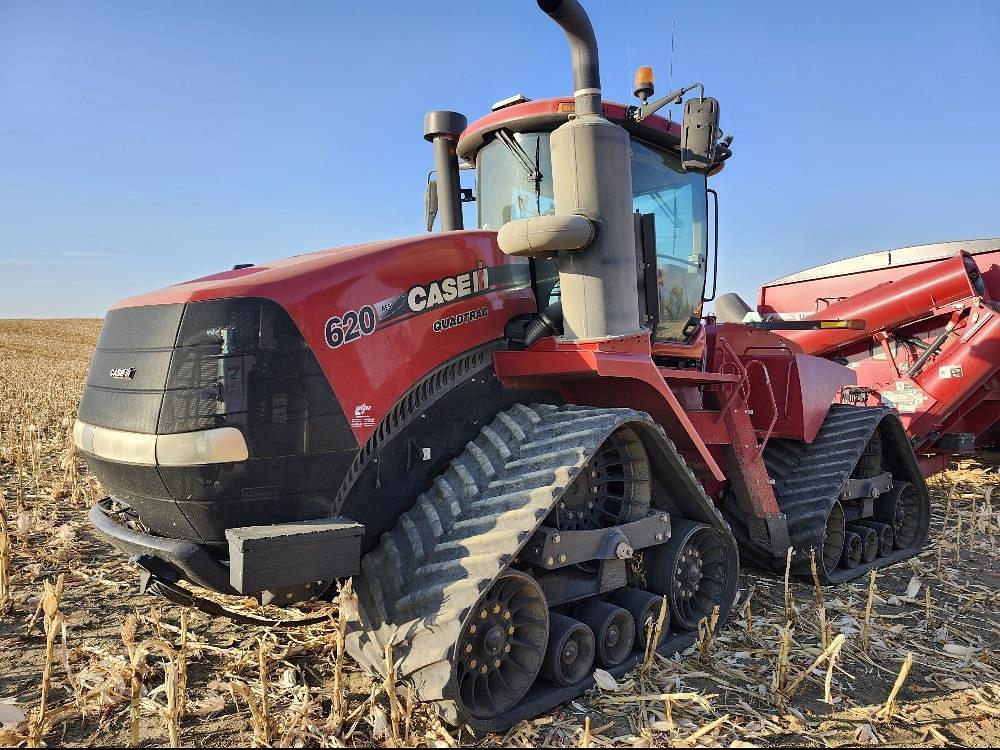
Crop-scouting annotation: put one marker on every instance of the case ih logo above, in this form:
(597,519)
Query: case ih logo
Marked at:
(423,297)
(124,373)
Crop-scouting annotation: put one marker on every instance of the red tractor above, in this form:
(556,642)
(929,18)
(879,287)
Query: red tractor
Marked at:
(518,439)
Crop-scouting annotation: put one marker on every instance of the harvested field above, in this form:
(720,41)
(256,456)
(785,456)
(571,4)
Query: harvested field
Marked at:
(907,658)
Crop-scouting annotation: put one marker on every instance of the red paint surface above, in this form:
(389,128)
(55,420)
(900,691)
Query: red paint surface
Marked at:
(612,110)
(915,302)
(375,370)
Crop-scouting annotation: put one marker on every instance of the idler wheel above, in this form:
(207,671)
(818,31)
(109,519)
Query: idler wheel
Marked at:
(884,532)
(900,509)
(869,541)
(645,610)
(833,537)
(502,645)
(614,630)
(850,558)
(570,655)
(691,570)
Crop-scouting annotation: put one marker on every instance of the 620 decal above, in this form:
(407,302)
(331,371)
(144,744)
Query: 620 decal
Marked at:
(351,326)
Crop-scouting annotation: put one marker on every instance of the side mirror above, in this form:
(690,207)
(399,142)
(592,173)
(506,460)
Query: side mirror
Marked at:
(699,132)
(431,203)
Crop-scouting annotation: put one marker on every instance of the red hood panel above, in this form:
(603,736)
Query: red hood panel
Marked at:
(382,315)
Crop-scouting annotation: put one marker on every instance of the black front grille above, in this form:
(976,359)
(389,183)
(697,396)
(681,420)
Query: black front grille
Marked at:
(237,362)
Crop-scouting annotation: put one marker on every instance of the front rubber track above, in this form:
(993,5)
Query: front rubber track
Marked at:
(418,586)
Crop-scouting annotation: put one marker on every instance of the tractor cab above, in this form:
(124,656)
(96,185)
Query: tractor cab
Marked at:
(510,152)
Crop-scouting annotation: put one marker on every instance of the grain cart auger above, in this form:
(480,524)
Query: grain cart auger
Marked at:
(930,343)
(516,438)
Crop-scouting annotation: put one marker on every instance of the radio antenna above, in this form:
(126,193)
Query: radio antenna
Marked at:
(670,73)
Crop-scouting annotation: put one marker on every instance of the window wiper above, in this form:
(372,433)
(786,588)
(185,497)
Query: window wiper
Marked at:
(530,165)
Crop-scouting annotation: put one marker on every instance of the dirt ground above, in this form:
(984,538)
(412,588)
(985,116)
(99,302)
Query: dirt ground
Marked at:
(86,660)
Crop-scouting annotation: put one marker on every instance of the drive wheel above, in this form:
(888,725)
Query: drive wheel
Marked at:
(611,489)
(691,570)
(502,645)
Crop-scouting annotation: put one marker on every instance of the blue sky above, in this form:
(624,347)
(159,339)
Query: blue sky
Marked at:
(144,143)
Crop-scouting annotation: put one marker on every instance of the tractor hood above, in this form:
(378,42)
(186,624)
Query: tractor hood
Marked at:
(291,280)
(377,316)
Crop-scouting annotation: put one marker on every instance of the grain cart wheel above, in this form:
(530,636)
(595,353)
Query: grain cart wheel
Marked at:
(870,461)
(570,655)
(502,646)
(613,487)
(833,537)
(614,630)
(900,509)
(645,610)
(691,570)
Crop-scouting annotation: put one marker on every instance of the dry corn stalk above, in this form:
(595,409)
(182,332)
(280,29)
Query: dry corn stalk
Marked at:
(653,633)
(265,704)
(390,691)
(6,588)
(830,653)
(585,736)
(706,632)
(346,605)
(824,627)
(789,605)
(781,668)
(866,625)
(885,713)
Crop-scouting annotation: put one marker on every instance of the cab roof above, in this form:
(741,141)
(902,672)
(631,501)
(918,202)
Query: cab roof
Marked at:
(548,114)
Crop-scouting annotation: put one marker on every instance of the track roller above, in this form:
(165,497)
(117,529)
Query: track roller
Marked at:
(900,509)
(884,531)
(570,655)
(691,570)
(869,541)
(850,557)
(613,627)
(645,610)
(502,645)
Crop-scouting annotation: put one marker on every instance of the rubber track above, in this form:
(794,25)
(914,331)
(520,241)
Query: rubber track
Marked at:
(419,584)
(808,479)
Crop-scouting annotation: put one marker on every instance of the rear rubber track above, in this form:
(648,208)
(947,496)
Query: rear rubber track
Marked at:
(809,478)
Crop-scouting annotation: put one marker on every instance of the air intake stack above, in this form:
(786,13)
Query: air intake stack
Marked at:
(591,178)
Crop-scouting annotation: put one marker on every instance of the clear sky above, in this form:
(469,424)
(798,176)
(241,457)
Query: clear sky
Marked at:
(144,143)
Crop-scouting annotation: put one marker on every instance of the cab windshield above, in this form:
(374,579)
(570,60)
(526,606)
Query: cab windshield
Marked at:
(507,191)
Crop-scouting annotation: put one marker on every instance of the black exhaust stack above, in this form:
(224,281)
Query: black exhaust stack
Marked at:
(583,47)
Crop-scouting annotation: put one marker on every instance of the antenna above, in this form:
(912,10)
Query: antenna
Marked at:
(670,74)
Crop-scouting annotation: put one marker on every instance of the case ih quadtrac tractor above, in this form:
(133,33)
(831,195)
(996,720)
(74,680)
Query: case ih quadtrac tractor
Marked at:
(518,438)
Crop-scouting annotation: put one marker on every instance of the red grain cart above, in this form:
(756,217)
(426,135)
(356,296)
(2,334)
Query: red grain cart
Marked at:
(930,342)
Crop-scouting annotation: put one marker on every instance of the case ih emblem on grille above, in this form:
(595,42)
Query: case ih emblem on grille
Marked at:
(125,373)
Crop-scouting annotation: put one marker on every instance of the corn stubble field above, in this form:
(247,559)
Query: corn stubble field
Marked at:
(909,657)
